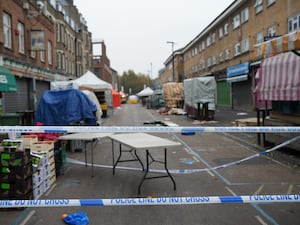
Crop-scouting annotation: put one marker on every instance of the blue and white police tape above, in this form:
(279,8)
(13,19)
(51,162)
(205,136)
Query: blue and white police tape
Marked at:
(189,171)
(196,200)
(146,129)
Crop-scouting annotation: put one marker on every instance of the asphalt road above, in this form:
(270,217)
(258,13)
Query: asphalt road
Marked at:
(261,175)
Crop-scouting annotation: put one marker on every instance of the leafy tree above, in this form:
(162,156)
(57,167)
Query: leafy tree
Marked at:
(134,82)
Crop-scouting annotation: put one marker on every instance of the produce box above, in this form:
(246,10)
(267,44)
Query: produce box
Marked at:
(12,145)
(38,177)
(15,188)
(17,158)
(29,140)
(13,173)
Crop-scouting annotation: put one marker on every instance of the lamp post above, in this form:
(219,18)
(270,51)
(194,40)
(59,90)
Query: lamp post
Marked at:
(173,67)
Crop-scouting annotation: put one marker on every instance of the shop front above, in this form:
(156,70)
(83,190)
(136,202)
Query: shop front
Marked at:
(240,81)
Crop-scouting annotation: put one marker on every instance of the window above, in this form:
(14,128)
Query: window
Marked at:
(42,56)
(236,21)
(208,41)
(221,57)
(7,30)
(227,54)
(203,45)
(245,45)
(270,2)
(213,37)
(49,53)
(258,6)
(220,32)
(33,54)
(259,38)
(214,60)
(237,49)
(199,47)
(272,31)
(244,15)
(208,61)
(226,28)
(21,38)
(294,23)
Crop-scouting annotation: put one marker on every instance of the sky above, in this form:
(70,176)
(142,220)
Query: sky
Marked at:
(136,32)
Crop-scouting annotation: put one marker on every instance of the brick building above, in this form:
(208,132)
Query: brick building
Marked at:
(224,48)
(41,41)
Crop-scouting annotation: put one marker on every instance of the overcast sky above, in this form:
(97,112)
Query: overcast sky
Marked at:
(136,31)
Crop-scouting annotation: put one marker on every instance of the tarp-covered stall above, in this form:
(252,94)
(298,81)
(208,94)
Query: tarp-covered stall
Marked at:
(198,93)
(173,94)
(65,107)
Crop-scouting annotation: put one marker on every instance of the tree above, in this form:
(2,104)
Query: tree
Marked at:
(134,82)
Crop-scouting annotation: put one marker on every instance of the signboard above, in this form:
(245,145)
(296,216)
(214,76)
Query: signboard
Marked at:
(37,38)
(237,70)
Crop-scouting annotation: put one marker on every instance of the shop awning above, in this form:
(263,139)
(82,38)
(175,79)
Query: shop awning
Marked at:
(7,80)
(278,79)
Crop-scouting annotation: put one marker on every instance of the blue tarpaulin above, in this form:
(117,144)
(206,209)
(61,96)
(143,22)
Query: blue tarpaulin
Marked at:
(65,107)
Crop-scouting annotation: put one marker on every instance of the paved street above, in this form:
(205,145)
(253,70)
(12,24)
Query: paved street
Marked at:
(258,176)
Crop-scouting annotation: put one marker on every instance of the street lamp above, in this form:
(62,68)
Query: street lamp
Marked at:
(173,67)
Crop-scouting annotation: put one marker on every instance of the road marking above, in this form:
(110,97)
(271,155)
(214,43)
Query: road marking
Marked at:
(259,189)
(210,173)
(290,188)
(230,191)
(197,160)
(30,214)
(261,220)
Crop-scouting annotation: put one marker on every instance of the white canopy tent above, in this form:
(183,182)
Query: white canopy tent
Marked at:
(90,80)
(146,92)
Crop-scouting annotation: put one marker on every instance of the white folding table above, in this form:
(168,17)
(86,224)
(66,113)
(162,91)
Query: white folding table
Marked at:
(92,138)
(146,142)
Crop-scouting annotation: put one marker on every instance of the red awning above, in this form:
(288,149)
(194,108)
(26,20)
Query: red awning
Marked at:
(278,79)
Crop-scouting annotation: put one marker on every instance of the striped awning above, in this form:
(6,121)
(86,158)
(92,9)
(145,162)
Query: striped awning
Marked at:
(275,46)
(278,78)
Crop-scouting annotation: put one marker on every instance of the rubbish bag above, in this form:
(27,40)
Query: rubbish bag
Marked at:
(79,218)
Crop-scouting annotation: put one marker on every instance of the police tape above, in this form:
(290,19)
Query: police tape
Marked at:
(146,129)
(197,200)
(189,171)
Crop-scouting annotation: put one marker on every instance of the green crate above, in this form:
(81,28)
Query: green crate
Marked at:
(9,119)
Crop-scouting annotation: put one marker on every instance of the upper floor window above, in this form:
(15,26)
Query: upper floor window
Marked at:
(213,37)
(21,38)
(294,23)
(49,53)
(270,2)
(237,49)
(7,30)
(214,60)
(42,56)
(209,61)
(227,54)
(236,21)
(208,41)
(33,54)
(221,57)
(203,45)
(258,6)
(245,45)
(226,28)
(259,38)
(272,31)
(220,32)
(244,15)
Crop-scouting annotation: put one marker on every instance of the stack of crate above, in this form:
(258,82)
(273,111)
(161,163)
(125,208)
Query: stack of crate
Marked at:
(44,176)
(16,171)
